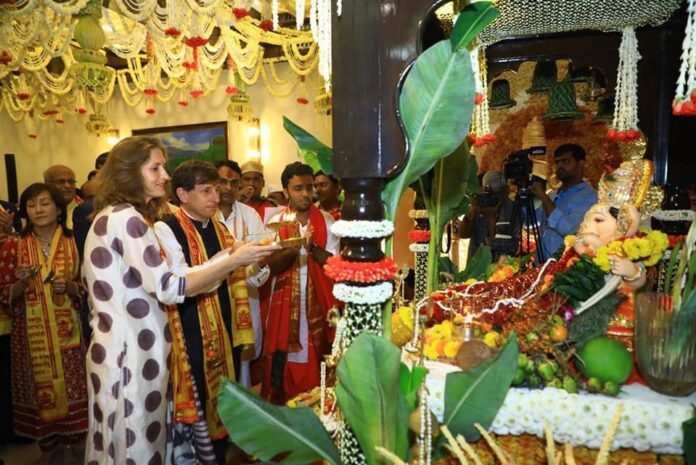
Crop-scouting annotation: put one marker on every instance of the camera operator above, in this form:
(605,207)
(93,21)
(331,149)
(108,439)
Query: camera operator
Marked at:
(562,210)
(487,209)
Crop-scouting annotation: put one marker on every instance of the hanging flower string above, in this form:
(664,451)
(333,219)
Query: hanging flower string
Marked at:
(625,124)
(684,103)
(360,272)
(364,295)
(240,13)
(231,88)
(480,124)
(5,58)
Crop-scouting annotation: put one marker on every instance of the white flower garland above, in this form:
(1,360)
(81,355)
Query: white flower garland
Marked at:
(300,13)
(417,247)
(686,83)
(363,229)
(274,12)
(368,295)
(626,100)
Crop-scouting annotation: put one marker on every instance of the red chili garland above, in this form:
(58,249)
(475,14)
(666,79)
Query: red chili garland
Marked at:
(360,272)
(419,235)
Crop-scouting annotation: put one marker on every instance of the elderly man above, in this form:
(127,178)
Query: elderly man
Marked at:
(64,178)
(252,184)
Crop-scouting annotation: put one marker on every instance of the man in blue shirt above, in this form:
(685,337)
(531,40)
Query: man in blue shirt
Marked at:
(562,210)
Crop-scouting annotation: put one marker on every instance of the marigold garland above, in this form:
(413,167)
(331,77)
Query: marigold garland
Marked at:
(647,245)
(419,235)
(360,272)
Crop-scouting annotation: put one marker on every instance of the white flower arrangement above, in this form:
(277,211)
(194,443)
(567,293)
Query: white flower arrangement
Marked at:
(650,421)
(363,229)
(418,247)
(367,295)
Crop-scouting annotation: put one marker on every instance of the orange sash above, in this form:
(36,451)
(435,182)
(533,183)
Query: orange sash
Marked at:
(52,322)
(217,349)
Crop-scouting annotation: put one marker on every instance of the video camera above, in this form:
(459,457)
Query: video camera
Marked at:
(518,168)
(487,198)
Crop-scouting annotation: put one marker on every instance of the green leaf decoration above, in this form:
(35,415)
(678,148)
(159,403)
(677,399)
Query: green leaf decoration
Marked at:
(410,381)
(265,430)
(435,107)
(594,321)
(477,266)
(475,396)
(316,154)
(369,395)
(472,20)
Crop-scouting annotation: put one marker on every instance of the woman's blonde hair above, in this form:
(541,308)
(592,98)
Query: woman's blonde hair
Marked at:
(121,179)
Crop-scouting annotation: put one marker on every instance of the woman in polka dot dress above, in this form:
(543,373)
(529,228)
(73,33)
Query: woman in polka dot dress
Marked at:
(129,284)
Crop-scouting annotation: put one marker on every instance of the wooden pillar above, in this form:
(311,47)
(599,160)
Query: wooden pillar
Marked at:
(374,41)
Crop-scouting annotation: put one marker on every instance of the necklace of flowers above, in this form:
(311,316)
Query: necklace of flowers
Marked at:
(339,269)
(647,246)
(365,295)
(363,229)
(419,235)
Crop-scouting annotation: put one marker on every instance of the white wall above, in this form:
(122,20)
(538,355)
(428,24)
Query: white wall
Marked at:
(71,145)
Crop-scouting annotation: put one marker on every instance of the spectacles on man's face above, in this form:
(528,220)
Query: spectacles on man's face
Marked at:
(60,182)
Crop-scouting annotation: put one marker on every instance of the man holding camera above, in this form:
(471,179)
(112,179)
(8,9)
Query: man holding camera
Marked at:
(562,210)
(487,210)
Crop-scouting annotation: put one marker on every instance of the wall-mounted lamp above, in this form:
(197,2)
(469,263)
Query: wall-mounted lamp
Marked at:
(113,136)
(253,140)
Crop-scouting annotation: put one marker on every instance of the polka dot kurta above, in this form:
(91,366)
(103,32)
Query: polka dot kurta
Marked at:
(129,282)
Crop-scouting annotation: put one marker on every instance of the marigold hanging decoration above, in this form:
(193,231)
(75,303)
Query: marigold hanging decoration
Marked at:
(30,124)
(625,125)
(231,88)
(302,92)
(684,103)
(5,58)
(240,13)
(182,100)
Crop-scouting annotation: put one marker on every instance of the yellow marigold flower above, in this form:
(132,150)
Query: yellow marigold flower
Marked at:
(406,316)
(491,339)
(614,248)
(653,259)
(601,259)
(569,240)
(451,348)
(644,247)
(632,249)
(430,351)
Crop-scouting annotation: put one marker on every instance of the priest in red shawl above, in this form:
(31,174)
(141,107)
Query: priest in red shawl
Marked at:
(294,315)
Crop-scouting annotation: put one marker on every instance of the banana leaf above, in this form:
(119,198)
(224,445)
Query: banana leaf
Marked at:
(478,265)
(410,381)
(369,395)
(265,430)
(472,20)
(435,106)
(476,395)
(454,179)
(316,154)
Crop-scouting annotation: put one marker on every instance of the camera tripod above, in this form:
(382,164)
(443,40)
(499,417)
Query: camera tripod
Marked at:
(524,219)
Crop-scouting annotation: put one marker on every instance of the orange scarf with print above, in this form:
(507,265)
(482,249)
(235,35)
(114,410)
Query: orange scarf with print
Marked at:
(217,348)
(52,321)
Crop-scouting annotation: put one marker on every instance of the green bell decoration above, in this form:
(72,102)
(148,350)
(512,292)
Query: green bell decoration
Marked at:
(500,95)
(562,104)
(580,74)
(544,77)
(605,108)
(89,71)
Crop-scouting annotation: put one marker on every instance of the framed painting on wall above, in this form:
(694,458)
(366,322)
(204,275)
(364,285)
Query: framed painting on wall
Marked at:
(205,141)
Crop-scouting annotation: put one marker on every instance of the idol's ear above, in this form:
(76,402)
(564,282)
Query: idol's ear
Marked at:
(632,218)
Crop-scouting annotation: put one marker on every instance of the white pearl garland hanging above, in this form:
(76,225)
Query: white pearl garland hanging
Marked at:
(685,94)
(626,99)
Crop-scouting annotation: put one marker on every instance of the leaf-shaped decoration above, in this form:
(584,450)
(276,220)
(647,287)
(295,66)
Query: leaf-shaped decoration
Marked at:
(370,398)
(472,20)
(478,264)
(265,430)
(316,154)
(435,107)
(476,395)
(450,186)
(410,381)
